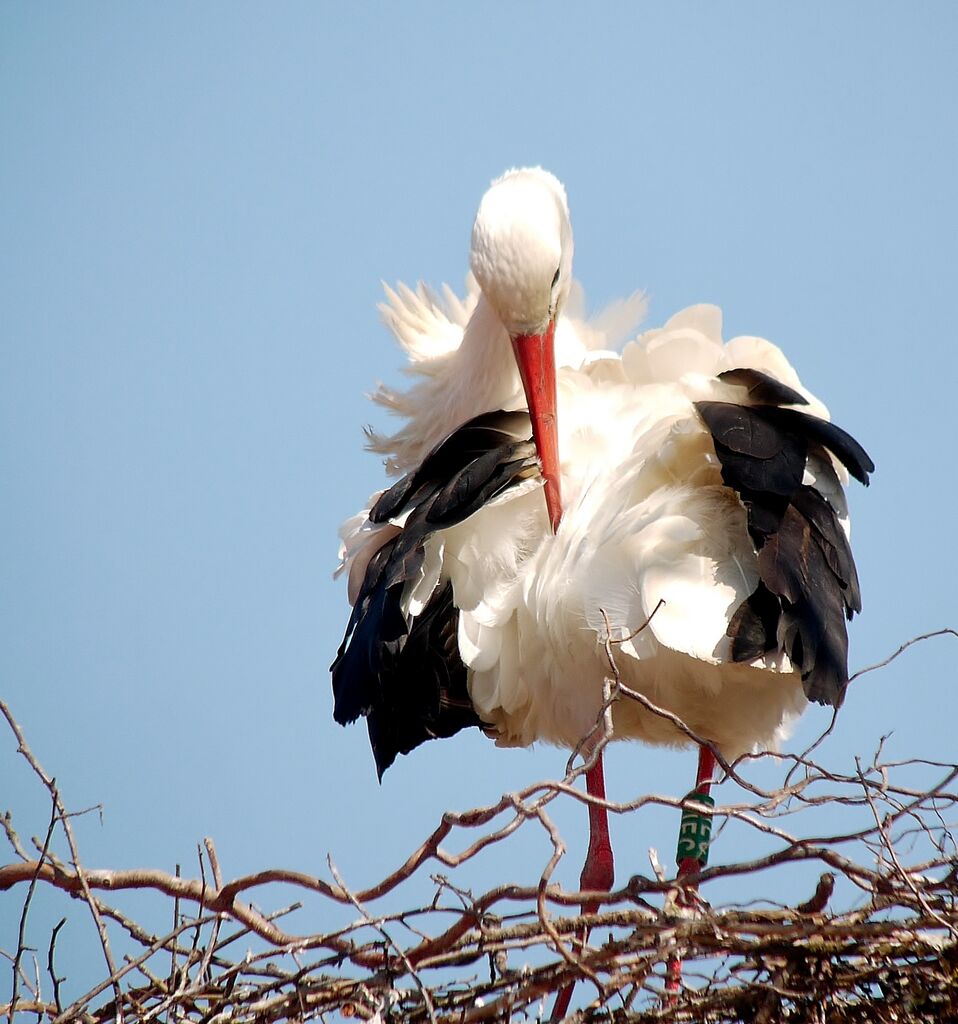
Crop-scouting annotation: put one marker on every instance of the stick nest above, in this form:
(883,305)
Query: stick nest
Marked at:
(873,941)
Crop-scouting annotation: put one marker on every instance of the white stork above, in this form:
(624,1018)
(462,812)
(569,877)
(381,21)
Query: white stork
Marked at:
(684,475)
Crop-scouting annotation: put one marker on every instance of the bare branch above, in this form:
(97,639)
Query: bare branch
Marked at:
(51,969)
(21,935)
(74,853)
(904,647)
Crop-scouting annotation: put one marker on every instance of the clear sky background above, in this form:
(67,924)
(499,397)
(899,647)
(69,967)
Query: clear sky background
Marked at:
(197,205)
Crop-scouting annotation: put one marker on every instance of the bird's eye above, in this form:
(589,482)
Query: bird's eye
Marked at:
(555,279)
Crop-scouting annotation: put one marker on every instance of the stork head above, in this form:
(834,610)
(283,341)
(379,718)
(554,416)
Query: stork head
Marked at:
(522,249)
(522,258)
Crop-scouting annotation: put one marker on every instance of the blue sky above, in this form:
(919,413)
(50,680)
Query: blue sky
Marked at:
(198,203)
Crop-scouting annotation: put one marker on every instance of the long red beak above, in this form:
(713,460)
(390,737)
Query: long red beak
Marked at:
(535,355)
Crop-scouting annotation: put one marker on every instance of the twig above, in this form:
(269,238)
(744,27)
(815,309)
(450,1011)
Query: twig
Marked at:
(31,889)
(400,952)
(54,977)
(74,852)
(947,631)
(6,819)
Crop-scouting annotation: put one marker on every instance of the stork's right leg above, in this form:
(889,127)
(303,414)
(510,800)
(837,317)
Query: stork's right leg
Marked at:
(598,872)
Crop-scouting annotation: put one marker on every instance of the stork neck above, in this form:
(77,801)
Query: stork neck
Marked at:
(486,376)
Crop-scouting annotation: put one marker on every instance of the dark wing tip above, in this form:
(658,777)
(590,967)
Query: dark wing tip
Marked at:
(391,501)
(762,387)
(839,442)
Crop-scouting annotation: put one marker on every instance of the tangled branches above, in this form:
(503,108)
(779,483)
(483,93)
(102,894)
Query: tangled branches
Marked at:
(874,941)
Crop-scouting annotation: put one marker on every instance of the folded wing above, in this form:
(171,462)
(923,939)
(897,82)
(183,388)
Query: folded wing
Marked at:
(399,663)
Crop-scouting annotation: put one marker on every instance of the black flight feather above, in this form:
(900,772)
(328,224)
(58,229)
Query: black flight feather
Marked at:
(404,672)
(840,443)
(479,436)
(757,453)
(808,583)
(762,387)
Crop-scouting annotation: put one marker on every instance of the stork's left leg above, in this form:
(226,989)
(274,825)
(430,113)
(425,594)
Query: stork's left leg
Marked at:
(694,837)
(598,872)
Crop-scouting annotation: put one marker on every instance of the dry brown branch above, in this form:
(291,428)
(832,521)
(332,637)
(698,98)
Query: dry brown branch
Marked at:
(64,818)
(875,940)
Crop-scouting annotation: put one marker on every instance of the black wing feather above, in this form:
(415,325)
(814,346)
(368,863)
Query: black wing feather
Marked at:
(759,455)
(477,437)
(433,701)
(404,674)
(808,582)
(832,540)
(840,443)
(480,482)
(762,387)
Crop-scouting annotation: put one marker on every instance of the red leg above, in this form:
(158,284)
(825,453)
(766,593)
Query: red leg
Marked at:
(690,865)
(598,872)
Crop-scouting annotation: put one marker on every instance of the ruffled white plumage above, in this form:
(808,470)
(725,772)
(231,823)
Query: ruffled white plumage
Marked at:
(647,530)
